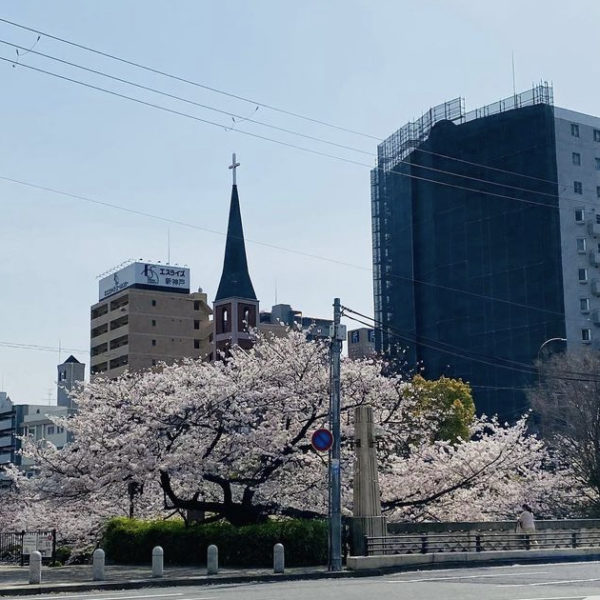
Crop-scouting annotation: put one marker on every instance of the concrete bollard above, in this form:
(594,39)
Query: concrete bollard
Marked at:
(158,555)
(35,567)
(212,560)
(98,559)
(278,558)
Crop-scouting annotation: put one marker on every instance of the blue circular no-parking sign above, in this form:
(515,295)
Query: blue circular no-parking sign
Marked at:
(322,440)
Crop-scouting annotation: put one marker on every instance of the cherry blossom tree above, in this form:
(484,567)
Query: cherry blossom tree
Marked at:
(232,439)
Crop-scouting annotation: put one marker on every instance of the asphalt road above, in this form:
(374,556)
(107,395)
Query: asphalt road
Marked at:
(564,581)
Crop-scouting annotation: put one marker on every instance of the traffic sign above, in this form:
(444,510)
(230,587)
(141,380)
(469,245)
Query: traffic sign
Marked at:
(322,440)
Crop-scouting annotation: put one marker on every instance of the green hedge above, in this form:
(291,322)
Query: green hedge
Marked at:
(130,541)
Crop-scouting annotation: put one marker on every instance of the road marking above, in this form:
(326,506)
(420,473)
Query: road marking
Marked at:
(561,598)
(140,597)
(463,577)
(558,582)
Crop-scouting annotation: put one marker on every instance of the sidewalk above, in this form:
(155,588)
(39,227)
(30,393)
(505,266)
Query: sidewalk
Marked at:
(78,578)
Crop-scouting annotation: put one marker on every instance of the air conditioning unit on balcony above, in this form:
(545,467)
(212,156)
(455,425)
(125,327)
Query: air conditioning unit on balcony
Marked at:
(595,258)
(594,229)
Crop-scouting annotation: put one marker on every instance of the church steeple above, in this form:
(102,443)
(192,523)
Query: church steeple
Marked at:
(235,307)
(235,279)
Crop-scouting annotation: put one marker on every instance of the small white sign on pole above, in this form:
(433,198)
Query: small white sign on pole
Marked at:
(29,543)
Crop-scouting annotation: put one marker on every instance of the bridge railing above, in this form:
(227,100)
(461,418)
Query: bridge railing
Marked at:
(427,543)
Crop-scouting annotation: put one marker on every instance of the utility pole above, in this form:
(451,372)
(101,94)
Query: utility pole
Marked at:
(335,487)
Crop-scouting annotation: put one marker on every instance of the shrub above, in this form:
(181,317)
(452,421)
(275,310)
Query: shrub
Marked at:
(130,541)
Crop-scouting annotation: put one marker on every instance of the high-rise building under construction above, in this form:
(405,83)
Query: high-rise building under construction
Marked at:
(486,242)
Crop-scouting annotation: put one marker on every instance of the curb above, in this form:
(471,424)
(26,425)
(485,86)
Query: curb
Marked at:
(87,586)
(48,588)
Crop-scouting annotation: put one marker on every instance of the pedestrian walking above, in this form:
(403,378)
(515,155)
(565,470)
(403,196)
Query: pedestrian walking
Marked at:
(526,525)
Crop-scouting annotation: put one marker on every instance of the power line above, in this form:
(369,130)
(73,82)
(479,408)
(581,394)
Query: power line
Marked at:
(257,122)
(188,81)
(289,145)
(175,221)
(305,149)
(523,368)
(187,100)
(251,101)
(40,347)
(277,247)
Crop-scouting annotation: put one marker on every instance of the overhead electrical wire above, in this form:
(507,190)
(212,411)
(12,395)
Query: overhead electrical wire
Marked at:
(297,147)
(40,347)
(251,120)
(517,366)
(248,100)
(319,257)
(291,145)
(185,80)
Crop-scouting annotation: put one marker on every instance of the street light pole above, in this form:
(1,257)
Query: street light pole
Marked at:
(554,339)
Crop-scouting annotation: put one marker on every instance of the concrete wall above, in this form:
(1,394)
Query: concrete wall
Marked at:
(357,563)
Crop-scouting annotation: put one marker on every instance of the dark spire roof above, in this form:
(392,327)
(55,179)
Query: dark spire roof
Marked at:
(235,280)
(71,359)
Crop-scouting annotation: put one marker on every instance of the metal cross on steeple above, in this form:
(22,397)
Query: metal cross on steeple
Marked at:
(233,166)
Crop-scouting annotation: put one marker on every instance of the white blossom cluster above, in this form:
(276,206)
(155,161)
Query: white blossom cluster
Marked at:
(232,439)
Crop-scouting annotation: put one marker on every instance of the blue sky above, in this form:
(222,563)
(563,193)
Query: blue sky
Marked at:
(368,66)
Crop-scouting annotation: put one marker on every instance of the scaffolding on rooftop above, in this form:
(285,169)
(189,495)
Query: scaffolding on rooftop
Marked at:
(400,144)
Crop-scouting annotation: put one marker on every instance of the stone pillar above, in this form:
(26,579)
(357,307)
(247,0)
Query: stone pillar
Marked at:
(157,561)
(35,567)
(98,559)
(212,560)
(367,519)
(278,558)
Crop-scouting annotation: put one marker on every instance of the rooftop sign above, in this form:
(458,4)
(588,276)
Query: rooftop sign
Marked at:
(167,278)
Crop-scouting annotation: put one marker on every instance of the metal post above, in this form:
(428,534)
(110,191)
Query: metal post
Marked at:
(335,488)
(54,546)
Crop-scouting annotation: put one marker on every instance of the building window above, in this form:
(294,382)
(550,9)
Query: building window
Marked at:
(574,130)
(196,344)
(153,322)
(196,305)
(576,158)
(597,135)
(584,305)
(598,219)
(60,430)
(153,302)
(582,275)
(50,430)
(586,335)
(581,245)
(196,324)
(225,319)
(579,215)
(154,342)
(597,164)
(153,362)
(578,187)
(598,191)
(354,337)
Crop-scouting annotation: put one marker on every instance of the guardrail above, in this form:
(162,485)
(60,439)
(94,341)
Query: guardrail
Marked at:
(481,542)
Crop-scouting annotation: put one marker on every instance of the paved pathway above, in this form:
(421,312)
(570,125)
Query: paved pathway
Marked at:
(14,578)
